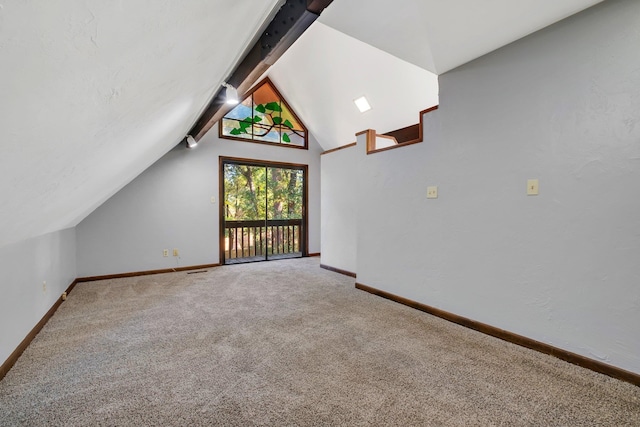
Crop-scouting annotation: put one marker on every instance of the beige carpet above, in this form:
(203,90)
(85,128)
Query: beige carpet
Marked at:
(285,343)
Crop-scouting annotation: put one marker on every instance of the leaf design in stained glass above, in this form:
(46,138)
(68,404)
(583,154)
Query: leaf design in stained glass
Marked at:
(273,106)
(244,125)
(287,115)
(264,116)
(266,134)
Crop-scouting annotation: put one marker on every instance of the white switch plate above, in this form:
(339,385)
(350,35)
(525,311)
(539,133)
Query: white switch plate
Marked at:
(213,199)
(432,192)
(175,252)
(532,187)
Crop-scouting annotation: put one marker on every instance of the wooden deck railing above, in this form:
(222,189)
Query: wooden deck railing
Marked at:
(246,239)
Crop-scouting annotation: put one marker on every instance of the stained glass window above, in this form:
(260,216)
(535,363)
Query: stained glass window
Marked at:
(264,116)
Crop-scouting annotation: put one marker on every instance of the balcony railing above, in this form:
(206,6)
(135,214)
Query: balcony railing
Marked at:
(274,238)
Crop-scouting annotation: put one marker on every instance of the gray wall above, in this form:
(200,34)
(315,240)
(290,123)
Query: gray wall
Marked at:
(563,106)
(25,265)
(339,207)
(169,206)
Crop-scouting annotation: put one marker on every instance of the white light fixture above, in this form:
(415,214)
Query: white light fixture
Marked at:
(362,104)
(232,94)
(191,142)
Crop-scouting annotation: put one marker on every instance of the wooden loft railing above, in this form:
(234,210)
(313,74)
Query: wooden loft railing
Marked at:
(342,147)
(400,137)
(407,134)
(394,139)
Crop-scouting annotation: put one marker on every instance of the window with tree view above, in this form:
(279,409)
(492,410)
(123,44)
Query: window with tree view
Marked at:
(265,117)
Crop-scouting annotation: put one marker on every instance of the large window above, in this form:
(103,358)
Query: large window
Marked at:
(264,117)
(262,216)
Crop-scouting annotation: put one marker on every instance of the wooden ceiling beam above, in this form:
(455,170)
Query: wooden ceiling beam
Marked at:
(317,6)
(293,18)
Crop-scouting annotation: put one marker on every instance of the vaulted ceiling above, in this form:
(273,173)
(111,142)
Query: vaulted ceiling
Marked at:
(94,92)
(391,52)
(440,35)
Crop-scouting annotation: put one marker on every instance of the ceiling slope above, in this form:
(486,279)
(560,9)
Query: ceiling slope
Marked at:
(94,92)
(441,35)
(391,52)
(325,70)
(293,18)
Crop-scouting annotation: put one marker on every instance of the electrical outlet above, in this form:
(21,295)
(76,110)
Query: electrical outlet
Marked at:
(432,192)
(165,252)
(175,252)
(532,187)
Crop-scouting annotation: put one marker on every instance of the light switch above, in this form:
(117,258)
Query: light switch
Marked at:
(213,199)
(432,192)
(532,187)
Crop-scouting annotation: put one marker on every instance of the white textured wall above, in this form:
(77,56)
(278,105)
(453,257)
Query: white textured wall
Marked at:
(24,266)
(339,208)
(563,106)
(93,92)
(169,206)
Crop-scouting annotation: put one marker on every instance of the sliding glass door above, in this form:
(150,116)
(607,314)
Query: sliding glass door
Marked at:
(263,211)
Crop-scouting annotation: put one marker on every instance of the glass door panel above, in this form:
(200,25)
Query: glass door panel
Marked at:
(285,200)
(245,198)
